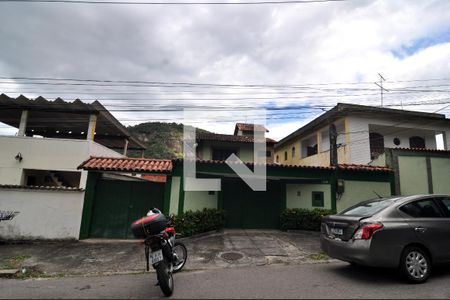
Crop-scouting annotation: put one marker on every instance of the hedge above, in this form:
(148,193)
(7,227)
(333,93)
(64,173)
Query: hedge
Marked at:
(194,222)
(304,219)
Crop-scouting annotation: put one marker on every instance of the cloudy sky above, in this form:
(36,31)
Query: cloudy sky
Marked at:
(226,61)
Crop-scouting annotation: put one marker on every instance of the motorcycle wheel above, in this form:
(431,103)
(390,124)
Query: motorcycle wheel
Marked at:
(180,251)
(165,278)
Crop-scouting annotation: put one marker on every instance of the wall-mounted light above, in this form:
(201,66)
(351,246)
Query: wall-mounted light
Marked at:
(19,157)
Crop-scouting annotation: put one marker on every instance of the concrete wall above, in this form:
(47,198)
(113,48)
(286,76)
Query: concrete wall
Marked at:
(440,170)
(43,214)
(357,191)
(46,154)
(199,200)
(413,175)
(304,199)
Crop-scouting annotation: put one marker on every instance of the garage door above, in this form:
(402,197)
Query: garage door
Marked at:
(118,203)
(246,208)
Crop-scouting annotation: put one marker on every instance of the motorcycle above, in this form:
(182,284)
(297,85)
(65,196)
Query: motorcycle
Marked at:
(166,255)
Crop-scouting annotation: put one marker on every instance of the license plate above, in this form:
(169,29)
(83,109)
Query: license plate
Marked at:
(155,257)
(338,231)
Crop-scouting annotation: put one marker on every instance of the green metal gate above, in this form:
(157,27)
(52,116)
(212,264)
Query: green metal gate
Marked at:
(118,203)
(246,208)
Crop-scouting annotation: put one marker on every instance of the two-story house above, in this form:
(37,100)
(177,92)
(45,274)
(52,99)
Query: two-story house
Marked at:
(363,132)
(212,146)
(38,166)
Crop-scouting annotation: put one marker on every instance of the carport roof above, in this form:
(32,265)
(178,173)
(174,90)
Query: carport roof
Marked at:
(62,119)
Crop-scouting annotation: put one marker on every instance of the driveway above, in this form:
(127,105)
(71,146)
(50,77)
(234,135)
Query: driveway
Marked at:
(227,249)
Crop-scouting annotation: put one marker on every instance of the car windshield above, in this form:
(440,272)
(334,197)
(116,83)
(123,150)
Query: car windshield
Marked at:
(367,208)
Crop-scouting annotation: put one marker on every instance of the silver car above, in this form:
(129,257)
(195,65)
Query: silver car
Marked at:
(409,233)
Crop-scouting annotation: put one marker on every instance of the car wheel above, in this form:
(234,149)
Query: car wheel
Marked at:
(415,264)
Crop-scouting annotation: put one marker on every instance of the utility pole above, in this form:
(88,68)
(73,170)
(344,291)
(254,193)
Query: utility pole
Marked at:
(382,89)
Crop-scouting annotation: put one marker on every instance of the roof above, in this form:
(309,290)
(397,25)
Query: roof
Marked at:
(229,138)
(61,119)
(347,167)
(421,150)
(35,187)
(344,109)
(249,127)
(144,165)
(369,168)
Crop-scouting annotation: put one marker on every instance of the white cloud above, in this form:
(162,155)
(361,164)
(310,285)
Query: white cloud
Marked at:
(285,44)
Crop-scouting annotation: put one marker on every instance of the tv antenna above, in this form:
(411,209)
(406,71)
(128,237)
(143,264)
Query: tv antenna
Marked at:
(382,89)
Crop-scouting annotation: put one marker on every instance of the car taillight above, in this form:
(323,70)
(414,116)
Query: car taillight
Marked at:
(366,231)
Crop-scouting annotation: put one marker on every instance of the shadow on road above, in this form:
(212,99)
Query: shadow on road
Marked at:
(384,276)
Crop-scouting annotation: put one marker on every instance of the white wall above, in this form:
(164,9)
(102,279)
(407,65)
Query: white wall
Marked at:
(359,135)
(43,214)
(45,154)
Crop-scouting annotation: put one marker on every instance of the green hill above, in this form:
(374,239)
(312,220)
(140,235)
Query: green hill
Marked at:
(163,140)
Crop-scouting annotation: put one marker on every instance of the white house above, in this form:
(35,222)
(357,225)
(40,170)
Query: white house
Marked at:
(363,132)
(38,166)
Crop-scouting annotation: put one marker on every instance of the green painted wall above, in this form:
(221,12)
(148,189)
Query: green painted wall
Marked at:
(174,194)
(199,200)
(440,167)
(304,200)
(413,175)
(357,191)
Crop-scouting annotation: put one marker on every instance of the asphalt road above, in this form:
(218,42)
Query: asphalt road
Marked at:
(332,280)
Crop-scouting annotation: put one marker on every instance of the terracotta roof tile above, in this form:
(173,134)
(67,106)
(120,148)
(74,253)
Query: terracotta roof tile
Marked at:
(250,127)
(221,162)
(354,167)
(127,164)
(229,138)
(421,150)
(40,187)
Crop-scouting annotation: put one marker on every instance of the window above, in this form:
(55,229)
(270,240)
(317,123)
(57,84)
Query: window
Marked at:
(311,150)
(368,208)
(446,205)
(317,199)
(277,159)
(285,155)
(223,154)
(293,152)
(416,142)
(422,209)
(376,142)
(268,153)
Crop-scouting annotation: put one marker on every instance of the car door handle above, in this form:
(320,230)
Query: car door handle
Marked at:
(420,229)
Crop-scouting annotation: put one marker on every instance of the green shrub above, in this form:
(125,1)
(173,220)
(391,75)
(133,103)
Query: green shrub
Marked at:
(304,219)
(194,222)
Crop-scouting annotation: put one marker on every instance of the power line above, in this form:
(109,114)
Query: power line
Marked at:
(282,2)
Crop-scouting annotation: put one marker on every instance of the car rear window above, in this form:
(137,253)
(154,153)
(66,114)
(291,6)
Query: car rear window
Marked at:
(367,208)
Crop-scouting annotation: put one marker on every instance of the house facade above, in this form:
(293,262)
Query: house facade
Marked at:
(363,132)
(287,187)
(38,166)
